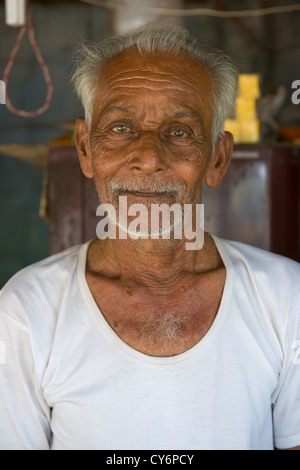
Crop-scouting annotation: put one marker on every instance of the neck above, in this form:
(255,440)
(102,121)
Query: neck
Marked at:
(151,263)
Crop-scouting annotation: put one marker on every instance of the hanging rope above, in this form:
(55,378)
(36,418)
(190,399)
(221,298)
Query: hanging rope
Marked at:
(41,61)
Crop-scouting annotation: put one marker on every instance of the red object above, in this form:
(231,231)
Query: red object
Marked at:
(258,201)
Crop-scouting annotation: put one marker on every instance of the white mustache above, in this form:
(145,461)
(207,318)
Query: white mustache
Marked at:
(146,186)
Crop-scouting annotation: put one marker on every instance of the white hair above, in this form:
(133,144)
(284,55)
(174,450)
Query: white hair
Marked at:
(162,38)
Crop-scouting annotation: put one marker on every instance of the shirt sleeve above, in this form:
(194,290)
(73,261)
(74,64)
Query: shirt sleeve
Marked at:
(24,414)
(286,411)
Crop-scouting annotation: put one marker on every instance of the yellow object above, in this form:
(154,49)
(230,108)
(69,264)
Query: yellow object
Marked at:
(245,109)
(245,128)
(244,131)
(249,84)
(250,131)
(232,126)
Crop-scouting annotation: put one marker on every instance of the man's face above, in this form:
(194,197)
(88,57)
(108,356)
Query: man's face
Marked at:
(151,129)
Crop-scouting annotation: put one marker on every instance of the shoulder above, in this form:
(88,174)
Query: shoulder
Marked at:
(267,273)
(257,258)
(33,306)
(40,285)
(57,264)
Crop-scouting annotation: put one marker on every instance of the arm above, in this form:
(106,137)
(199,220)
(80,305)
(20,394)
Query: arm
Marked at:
(25,416)
(286,412)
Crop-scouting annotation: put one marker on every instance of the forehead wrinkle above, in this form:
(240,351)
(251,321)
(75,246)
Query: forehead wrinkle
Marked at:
(116,92)
(123,83)
(132,72)
(182,68)
(174,82)
(168,77)
(114,103)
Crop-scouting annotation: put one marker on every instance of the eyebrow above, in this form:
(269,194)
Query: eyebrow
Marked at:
(188,114)
(110,109)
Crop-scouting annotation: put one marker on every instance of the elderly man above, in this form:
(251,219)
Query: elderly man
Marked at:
(137,342)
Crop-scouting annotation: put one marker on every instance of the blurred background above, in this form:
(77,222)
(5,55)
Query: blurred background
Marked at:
(46,205)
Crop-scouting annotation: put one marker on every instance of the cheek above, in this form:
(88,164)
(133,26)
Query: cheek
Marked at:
(104,168)
(192,151)
(193,175)
(192,162)
(192,167)
(105,161)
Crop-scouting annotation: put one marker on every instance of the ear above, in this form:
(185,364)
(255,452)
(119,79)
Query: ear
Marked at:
(83,147)
(220,160)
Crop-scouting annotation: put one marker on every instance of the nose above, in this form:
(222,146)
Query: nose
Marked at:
(148,155)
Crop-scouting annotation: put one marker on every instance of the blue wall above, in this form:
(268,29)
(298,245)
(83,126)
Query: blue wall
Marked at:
(23,233)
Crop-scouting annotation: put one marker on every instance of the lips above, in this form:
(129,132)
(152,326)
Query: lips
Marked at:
(145,194)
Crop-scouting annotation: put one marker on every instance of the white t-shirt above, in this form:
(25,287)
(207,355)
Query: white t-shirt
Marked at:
(67,381)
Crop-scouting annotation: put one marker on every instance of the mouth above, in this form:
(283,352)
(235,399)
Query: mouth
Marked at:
(147,194)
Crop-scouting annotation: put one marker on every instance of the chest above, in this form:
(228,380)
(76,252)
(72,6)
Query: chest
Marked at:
(211,401)
(160,325)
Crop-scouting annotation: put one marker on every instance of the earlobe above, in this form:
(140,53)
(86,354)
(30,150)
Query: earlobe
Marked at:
(220,160)
(83,147)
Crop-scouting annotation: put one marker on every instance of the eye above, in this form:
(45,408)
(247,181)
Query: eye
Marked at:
(179,133)
(121,129)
